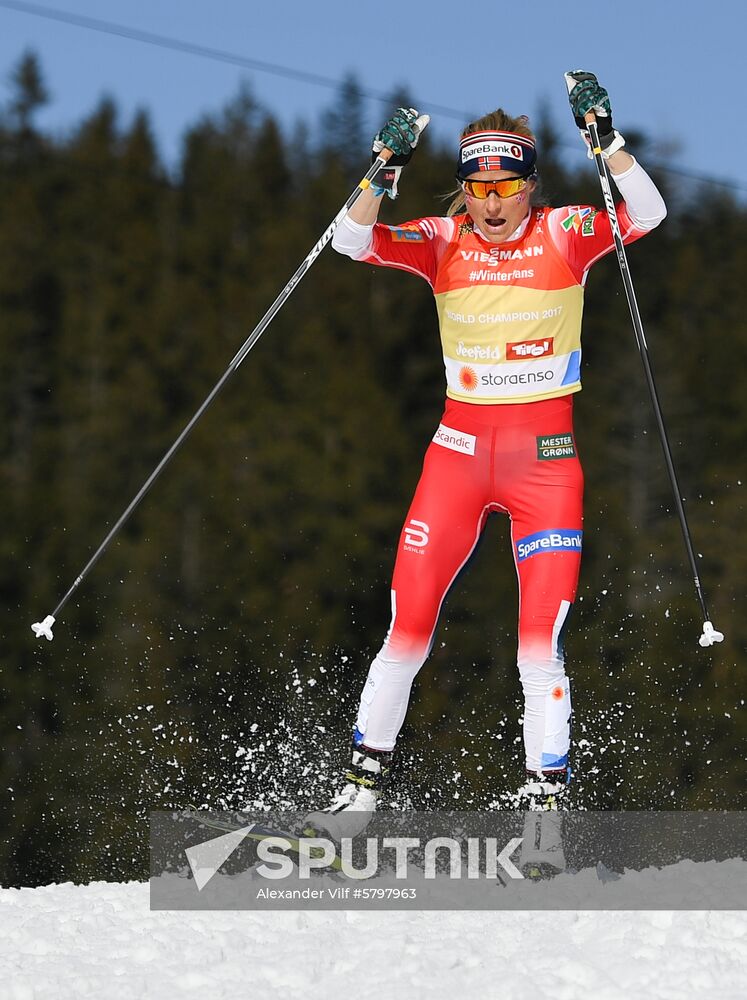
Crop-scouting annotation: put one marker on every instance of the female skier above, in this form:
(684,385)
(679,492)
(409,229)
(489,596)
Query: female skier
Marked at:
(508,279)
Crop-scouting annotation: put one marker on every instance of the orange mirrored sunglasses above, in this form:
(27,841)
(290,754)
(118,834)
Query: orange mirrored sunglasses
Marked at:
(503,188)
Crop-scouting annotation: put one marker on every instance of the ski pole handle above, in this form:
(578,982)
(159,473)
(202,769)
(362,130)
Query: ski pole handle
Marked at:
(384,155)
(381,159)
(591,119)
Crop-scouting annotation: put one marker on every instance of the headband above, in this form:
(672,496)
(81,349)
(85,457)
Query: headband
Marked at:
(496,151)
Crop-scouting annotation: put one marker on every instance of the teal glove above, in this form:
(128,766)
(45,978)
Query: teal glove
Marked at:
(401,135)
(585,95)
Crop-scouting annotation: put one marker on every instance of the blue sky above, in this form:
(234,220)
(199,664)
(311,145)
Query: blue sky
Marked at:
(673,69)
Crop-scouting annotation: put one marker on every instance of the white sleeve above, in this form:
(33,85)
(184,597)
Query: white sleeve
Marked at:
(352,238)
(645,205)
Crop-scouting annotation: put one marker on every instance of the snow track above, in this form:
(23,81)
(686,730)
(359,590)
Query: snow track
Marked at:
(102,941)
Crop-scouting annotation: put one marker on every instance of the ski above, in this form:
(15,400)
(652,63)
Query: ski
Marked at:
(258,833)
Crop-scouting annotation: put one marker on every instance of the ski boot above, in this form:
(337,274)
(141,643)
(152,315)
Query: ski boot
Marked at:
(353,807)
(542,855)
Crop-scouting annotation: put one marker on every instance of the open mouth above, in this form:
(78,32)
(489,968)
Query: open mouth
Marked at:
(495,223)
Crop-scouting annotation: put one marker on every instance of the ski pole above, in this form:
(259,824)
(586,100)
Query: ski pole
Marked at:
(44,628)
(710,635)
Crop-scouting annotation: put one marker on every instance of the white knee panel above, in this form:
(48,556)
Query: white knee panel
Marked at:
(385,697)
(547,713)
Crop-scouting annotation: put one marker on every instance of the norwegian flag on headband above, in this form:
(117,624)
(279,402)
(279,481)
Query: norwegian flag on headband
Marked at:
(496,151)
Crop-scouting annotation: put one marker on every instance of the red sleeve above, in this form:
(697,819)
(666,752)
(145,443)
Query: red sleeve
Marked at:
(582,234)
(415,246)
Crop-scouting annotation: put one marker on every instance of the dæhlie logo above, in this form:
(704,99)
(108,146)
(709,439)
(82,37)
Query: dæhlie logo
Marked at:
(529,349)
(416,533)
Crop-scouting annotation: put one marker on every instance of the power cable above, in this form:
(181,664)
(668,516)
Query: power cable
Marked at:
(262,66)
(204,51)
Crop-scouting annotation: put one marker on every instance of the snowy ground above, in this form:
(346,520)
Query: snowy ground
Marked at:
(102,941)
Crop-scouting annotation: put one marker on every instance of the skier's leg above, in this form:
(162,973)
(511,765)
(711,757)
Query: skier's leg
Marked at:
(547,592)
(546,531)
(441,530)
(442,527)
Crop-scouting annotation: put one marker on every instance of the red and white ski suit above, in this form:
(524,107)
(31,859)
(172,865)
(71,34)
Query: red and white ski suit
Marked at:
(510,322)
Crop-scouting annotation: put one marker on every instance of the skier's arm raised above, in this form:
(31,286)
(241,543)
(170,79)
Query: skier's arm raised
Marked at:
(643,207)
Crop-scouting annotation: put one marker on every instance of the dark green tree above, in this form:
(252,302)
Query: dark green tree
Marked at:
(29,93)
